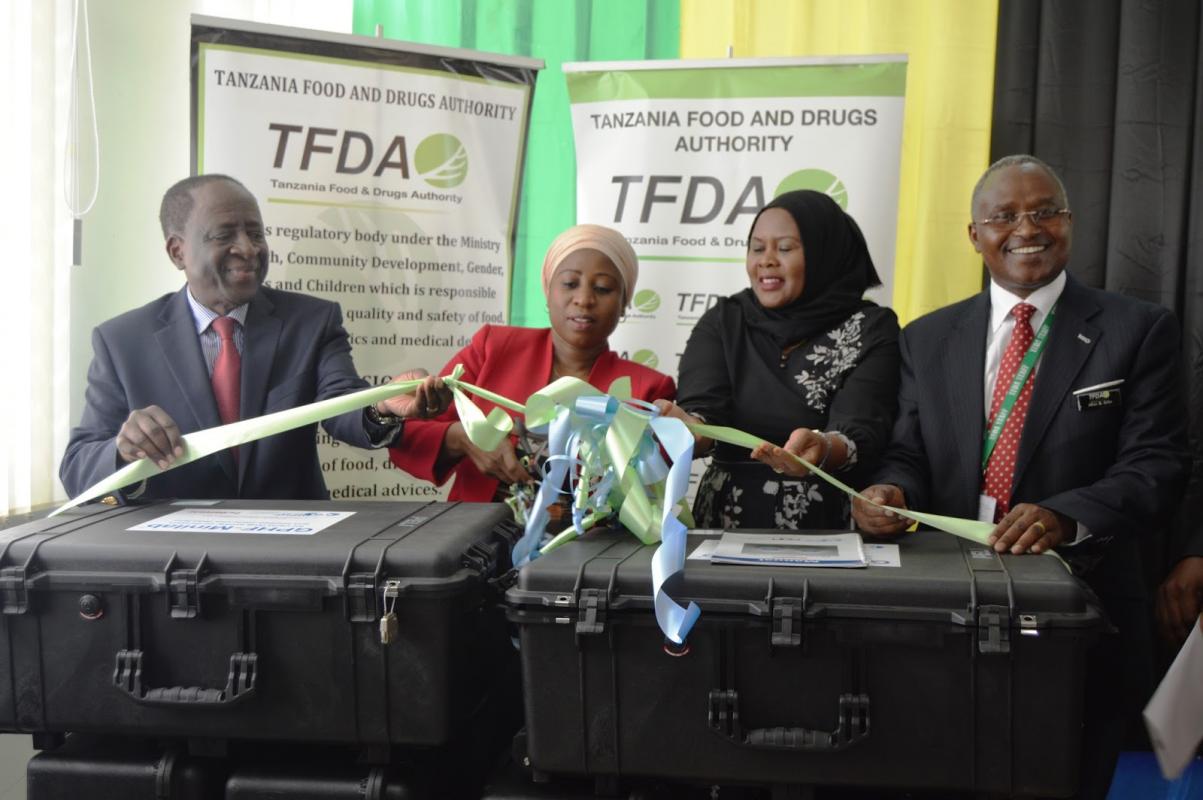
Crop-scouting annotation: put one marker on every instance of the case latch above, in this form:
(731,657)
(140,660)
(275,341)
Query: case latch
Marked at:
(787,621)
(12,590)
(242,675)
(994,629)
(481,558)
(128,674)
(361,597)
(591,612)
(184,593)
(723,712)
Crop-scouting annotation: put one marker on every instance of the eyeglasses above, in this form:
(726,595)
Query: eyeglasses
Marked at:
(1011,219)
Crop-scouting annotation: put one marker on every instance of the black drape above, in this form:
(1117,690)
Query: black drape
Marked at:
(1109,93)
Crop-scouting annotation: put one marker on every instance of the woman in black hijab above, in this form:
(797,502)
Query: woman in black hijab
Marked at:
(799,357)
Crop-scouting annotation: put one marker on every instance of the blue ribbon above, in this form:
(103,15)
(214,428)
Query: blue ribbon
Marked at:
(558,432)
(669,559)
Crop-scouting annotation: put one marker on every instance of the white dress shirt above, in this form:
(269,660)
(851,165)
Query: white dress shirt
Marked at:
(998,335)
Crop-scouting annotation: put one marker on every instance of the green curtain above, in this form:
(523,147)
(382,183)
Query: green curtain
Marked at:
(555,31)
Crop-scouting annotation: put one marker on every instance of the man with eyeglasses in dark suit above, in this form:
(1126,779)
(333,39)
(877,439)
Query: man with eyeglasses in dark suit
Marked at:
(1055,411)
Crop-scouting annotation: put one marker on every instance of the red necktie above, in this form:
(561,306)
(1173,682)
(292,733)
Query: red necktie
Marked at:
(227,372)
(1000,470)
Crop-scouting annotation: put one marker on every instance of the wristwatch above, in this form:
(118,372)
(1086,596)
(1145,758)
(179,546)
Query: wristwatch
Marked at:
(383,420)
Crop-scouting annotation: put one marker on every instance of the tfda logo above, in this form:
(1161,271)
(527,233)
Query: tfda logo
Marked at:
(441,160)
(645,301)
(645,357)
(818,180)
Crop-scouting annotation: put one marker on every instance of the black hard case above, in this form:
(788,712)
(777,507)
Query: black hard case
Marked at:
(264,637)
(958,670)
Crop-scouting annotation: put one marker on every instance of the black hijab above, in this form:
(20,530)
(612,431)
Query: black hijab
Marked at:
(838,272)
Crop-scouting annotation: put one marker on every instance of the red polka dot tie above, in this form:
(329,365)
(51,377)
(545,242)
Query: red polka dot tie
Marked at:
(227,372)
(1000,470)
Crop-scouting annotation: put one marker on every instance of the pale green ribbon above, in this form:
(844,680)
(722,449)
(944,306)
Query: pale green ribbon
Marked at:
(212,440)
(636,510)
(974,530)
(485,431)
(971,529)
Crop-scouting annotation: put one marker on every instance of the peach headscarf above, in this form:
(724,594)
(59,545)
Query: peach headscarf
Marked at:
(607,241)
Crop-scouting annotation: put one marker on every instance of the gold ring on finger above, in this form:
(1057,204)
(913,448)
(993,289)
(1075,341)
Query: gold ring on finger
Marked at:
(1043,529)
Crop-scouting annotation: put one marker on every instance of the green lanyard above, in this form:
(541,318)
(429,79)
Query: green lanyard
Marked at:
(1021,376)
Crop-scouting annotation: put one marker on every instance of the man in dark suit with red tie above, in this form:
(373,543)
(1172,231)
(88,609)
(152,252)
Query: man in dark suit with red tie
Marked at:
(223,348)
(1053,410)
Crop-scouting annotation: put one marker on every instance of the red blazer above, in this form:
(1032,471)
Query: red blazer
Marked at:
(516,363)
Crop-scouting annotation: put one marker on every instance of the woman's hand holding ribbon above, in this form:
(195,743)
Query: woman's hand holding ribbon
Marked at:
(501,463)
(813,446)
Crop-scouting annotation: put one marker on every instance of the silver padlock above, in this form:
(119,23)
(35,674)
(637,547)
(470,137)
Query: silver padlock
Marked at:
(388,628)
(388,622)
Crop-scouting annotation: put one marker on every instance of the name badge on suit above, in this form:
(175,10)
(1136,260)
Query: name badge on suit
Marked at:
(1100,395)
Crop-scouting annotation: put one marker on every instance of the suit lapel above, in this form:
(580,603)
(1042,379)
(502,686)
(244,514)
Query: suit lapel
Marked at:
(262,334)
(180,346)
(964,363)
(1070,343)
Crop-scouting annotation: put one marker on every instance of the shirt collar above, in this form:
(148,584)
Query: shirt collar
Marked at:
(203,316)
(1044,298)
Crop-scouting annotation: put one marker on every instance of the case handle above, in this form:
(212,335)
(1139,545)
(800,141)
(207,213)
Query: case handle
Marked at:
(240,683)
(852,727)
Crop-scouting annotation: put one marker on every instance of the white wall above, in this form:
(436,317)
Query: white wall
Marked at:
(140,61)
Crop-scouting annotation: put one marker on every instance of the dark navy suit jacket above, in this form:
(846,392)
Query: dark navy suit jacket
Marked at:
(296,352)
(1118,469)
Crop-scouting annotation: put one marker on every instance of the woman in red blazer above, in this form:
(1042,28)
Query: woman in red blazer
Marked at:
(589,277)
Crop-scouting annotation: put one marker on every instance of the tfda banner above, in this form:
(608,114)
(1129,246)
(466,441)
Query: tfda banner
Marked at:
(680,156)
(388,177)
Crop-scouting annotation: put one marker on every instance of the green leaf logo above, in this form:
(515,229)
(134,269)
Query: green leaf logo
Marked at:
(817,180)
(441,160)
(645,357)
(646,301)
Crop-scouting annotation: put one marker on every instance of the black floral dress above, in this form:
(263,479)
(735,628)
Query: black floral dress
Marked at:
(844,381)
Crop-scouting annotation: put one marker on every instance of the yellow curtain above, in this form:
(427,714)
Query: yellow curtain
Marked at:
(946,132)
